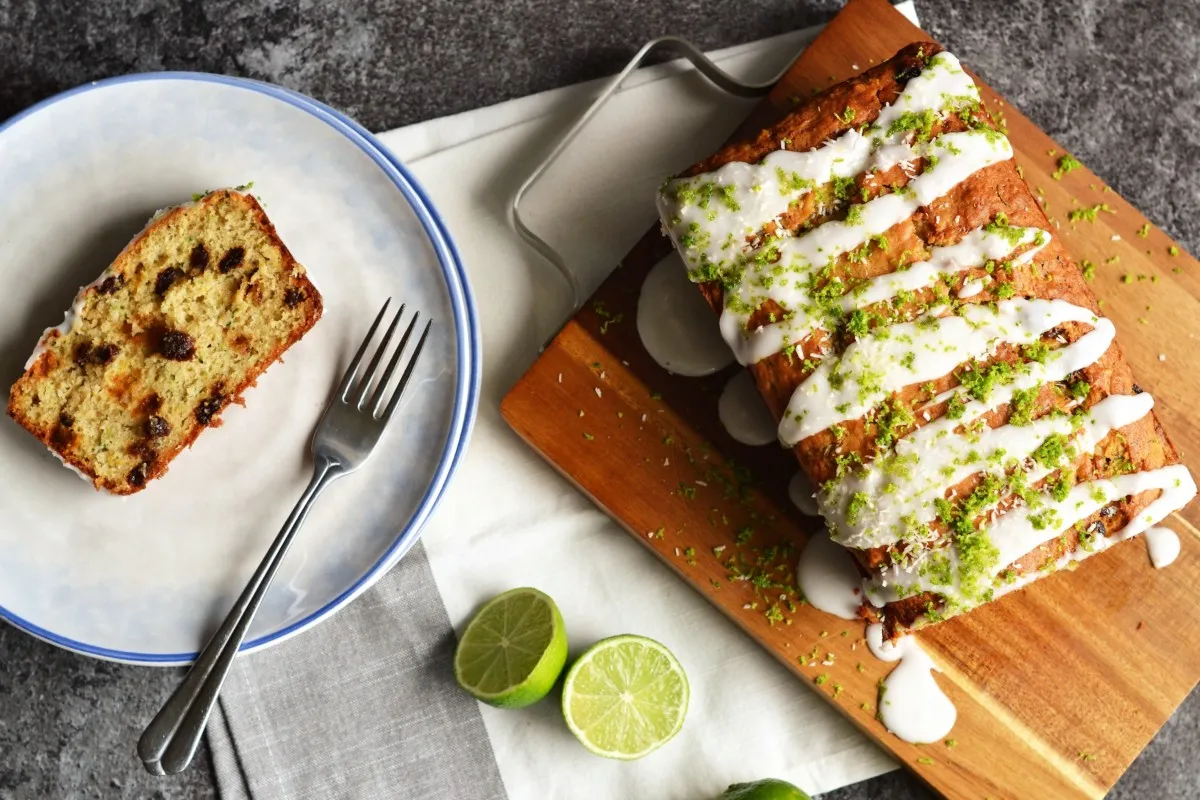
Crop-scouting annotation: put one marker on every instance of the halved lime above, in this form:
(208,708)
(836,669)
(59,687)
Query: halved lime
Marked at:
(513,651)
(766,789)
(625,697)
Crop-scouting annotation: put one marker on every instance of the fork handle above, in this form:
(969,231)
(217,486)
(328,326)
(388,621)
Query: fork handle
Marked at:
(170,740)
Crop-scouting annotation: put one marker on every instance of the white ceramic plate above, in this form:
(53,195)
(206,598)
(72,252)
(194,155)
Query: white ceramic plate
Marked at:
(145,579)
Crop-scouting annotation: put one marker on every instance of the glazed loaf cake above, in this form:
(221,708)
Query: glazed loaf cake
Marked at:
(930,350)
(189,314)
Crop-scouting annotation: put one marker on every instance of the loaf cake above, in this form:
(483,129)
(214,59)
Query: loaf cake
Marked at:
(189,314)
(929,349)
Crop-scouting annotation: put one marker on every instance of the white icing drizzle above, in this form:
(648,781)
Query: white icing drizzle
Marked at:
(828,578)
(1163,544)
(945,460)
(675,323)
(960,156)
(78,472)
(973,251)
(743,412)
(1017,533)
(884,650)
(911,704)
(759,195)
(1067,561)
(803,495)
(914,352)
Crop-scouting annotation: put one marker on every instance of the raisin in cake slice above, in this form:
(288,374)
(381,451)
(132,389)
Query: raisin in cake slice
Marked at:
(930,350)
(189,314)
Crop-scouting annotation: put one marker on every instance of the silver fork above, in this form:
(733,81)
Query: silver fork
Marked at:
(347,433)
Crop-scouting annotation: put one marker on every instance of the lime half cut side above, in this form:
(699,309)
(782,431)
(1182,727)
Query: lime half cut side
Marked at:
(513,651)
(625,697)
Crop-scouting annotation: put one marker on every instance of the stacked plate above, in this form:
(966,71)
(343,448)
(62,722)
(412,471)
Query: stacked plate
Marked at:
(145,579)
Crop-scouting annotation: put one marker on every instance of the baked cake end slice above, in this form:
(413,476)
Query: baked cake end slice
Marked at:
(186,317)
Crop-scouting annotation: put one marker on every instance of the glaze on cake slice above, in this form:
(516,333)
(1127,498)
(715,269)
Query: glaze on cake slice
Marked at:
(189,314)
(929,349)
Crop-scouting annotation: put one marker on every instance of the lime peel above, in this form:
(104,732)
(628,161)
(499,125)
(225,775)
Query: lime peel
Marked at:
(768,789)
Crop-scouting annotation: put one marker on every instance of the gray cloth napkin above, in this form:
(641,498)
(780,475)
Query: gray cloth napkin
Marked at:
(363,706)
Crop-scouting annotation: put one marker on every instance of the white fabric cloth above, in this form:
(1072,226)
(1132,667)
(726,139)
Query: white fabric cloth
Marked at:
(510,520)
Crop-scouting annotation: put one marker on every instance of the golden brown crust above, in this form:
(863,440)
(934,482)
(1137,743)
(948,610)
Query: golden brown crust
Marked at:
(57,436)
(980,199)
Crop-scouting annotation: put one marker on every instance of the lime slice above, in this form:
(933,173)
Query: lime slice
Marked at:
(768,789)
(513,651)
(625,697)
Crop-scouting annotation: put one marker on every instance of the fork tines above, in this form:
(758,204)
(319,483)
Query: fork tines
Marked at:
(362,394)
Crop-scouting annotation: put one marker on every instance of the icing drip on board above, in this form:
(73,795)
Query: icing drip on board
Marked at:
(828,578)
(1163,544)
(743,412)
(846,387)
(911,704)
(803,495)
(675,323)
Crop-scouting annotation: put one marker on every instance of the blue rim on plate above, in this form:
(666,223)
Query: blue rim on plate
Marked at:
(466,327)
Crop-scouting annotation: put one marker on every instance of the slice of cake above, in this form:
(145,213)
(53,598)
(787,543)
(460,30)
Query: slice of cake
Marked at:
(190,313)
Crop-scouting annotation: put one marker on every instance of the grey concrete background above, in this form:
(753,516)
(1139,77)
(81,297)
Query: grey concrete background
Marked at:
(1117,82)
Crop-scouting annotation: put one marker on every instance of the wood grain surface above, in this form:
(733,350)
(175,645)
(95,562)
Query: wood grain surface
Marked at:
(1059,686)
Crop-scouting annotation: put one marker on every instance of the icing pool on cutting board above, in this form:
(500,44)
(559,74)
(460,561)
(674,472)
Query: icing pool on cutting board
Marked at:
(675,323)
(1163,544)
(828,578)
(803,495)
(911,704)
(743,412)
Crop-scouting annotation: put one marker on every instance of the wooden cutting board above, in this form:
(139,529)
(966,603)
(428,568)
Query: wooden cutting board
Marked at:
(1058,687)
